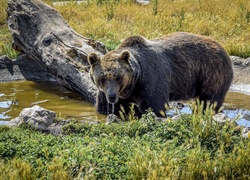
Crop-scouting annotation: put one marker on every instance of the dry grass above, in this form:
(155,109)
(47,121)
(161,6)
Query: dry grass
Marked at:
(227,21)
(111,21)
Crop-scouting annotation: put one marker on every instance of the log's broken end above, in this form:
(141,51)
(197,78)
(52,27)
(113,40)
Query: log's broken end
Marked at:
(41,33)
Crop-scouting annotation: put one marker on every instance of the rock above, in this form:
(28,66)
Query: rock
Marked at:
(241,69)
(176,117)
(221,118)
(56,128)
(22,68)
(112,118)
(143,2)
(246,132)
(36,117)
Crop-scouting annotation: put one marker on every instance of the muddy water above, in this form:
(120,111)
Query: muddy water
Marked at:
(238,104)
(15,96)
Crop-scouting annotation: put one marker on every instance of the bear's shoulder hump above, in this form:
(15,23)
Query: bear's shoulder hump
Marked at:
(134,41)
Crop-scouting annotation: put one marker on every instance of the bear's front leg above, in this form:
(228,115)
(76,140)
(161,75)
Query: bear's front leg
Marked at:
(101,103)
(103,106)
(157,107)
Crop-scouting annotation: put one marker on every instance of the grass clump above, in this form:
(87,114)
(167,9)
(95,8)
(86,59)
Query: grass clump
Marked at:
(5,37)
(111,21)
(194,147)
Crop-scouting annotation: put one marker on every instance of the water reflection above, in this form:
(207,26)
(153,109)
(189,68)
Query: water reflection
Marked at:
(242,115)
(15,96)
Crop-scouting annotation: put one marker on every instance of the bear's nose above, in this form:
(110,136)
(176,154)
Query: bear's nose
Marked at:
(112,98)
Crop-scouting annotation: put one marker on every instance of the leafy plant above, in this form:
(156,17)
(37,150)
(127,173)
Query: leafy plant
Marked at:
(193,147)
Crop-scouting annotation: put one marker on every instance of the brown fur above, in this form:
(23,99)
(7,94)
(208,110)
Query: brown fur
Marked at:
(179,66)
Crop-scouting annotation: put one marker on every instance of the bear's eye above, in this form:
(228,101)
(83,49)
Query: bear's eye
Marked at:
(102,80)
(118,78)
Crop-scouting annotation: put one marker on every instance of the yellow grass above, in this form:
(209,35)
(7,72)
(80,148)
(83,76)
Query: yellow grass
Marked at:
(227,21)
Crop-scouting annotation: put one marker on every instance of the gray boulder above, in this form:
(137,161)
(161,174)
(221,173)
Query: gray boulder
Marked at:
(36,117)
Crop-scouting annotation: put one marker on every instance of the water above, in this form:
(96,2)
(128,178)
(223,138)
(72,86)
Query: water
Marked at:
(236,106)
(15,96)
(113,108)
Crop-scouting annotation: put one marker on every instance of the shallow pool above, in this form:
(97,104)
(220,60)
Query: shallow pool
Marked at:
(15,96)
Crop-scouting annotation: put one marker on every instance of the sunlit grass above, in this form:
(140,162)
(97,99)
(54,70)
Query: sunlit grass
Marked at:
(227,21)
(194,147)
(5,37)
(111,21)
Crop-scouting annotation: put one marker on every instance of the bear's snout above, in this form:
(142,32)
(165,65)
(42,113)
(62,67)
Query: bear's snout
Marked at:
(111,91)
(112,98)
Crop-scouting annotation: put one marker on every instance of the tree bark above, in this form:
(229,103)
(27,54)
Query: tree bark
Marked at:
(41,33)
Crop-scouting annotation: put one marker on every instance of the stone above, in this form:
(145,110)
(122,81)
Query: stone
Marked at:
(143,2)
(112,118)
(222,118)
(246,132)
(36,117)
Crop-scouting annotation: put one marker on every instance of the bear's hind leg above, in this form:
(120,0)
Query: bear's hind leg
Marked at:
(214,99)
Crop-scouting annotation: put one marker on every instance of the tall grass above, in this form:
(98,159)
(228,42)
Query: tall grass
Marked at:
(194,147)
(227,21)
(111,21)
(5,37)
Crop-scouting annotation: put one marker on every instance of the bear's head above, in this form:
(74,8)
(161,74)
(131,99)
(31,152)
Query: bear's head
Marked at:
(113,74)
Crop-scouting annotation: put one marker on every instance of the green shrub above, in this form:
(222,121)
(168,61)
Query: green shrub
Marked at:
(193,147)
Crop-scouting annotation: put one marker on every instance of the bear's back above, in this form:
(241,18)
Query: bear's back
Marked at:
(134,42)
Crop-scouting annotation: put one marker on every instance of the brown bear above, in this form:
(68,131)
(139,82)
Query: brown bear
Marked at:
(150,73)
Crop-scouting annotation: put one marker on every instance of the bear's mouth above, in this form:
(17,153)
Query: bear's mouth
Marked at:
(112,92)
(112,98)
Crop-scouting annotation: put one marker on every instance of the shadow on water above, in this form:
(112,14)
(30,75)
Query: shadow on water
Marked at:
(15,96)
(236,106)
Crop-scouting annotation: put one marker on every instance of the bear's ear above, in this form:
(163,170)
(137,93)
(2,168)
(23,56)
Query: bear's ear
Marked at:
(93,58)
(125,55)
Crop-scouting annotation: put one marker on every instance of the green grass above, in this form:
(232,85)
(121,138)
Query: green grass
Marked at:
(227,21)
(111,21)
(195,147)
(5,36)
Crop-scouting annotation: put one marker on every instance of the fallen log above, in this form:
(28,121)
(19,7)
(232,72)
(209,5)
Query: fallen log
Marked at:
(41,33)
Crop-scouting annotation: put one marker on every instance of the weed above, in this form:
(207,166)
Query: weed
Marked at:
(111,21)
(128,116)
(193,147)
(155,7)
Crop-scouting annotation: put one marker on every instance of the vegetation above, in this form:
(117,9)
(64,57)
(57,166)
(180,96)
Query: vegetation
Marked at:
(227,21)
(111,21)
(5,37)
(195,147)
